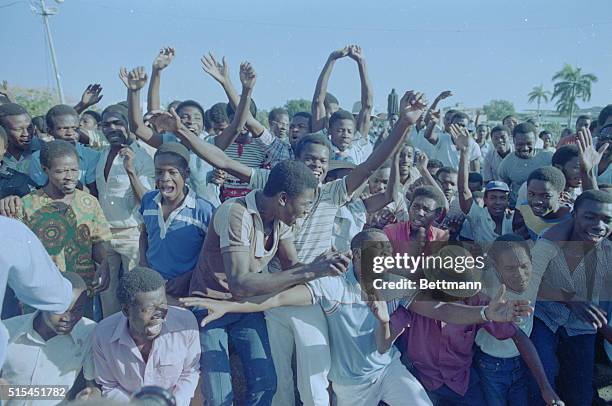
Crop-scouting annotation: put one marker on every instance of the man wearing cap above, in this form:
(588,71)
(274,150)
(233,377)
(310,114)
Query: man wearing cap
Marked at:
(175,220)
(489,222)
(123,175)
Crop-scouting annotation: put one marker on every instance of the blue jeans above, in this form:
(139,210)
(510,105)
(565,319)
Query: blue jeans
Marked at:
(249,337)
(445,396)
(503,380)
(571,358)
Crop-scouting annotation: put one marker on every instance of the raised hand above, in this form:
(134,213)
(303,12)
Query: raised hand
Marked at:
(248,76)
(339,53)
(331,263)
(380,311)
(136,79)
(91,95)
(421,161)
(164,58)
(356,53)
(218,71)
(461,136)
(412,106)
(444,95)
(128,159)
(216,308)
(165,122)
(589,156)
(501,310)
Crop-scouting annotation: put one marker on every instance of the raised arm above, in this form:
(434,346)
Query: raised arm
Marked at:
(364,120)
(244,283)
(465,194)
(319,114)
(589,159)
(421,165)
(134,81)
(298,295)
(210,153)
(220,72)
(161,61)
(247,78)
(381,200)
(412,106)
(91,96)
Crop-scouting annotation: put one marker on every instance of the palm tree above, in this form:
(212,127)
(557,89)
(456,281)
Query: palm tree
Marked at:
(538,94)
(571,84)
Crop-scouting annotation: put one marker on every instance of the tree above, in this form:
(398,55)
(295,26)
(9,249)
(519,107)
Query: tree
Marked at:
(296,105)
(538,94)
(498,109)
(36,101)
(262,117)
(571,85)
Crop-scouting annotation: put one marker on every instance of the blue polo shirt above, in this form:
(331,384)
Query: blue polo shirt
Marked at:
(88,160)
(174,244)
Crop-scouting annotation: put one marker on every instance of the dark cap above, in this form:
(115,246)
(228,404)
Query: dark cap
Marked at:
(174,148)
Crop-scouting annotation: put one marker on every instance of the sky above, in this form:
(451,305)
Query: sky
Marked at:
(480,50)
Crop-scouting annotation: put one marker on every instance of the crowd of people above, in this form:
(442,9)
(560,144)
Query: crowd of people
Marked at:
(225,261)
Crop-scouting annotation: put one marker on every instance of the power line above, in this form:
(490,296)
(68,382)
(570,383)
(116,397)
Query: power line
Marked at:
(12,4)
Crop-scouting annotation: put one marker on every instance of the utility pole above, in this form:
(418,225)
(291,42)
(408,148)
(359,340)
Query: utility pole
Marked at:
(45,13)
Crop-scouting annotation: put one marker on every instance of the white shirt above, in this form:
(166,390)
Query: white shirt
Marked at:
(483,226)
(33,361)
(27,268)
(349,221)
(446,151)
(115,193)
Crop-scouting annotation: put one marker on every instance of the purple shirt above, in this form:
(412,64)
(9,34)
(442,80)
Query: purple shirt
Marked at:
(173,362)
(443,355)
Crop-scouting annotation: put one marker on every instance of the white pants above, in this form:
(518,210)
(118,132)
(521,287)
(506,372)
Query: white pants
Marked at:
(396,387)
(122,252)
(305,329)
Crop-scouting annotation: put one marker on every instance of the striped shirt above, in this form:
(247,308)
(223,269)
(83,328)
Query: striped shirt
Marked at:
(276,149)
(586,281)
(313,233)
(251,154)
(174,244)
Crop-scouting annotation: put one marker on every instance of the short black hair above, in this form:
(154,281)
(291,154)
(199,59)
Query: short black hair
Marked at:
(190,103)
(474,177)
(434,163)
(447,169)
(40,123)
(604,114)
(505,243)
(291,177)
(330,99)
(432,193)
(460,116)
(341,115)
(11,109)
(549,174)
(565,154)
(543,133)
(275,114)
(451,113)
(306,115)
(231,111)
(138,280)
(500,128)
(582,117)
(218,113)
(509,116)
(316,138)
(93,114)
(599,196)
(364,236)
(59,110)
(55,149)
(483,126)
(524,128)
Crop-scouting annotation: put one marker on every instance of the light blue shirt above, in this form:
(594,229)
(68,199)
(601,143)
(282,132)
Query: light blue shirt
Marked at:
(351,324)
(88,160)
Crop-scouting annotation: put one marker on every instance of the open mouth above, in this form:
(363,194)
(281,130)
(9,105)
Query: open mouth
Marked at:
(591,236)
(154,328)
(166,190)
